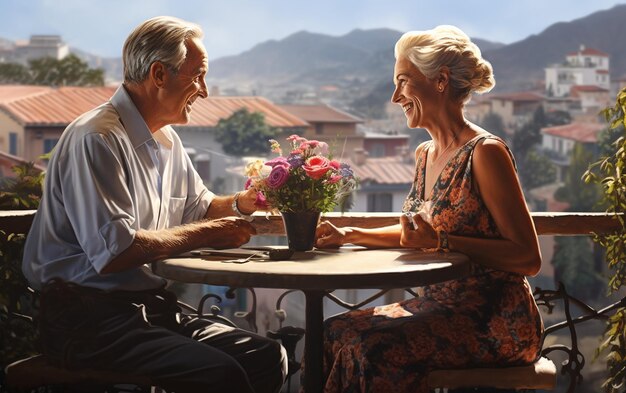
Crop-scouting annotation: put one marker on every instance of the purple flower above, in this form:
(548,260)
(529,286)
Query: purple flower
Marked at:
(278,161)
(278,176)
(295,160)
(346,171)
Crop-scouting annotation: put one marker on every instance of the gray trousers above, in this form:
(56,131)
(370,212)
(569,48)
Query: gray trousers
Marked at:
(142,333)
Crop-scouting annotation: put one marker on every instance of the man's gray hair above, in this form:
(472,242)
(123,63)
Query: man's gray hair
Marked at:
(158,39)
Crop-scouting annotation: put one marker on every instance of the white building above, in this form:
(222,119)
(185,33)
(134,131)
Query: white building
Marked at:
(586,66)
(560,140)
(37,47)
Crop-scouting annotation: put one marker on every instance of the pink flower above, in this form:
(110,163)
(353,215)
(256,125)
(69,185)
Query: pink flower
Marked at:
(278,176)
(278,161)
(334,179)
(323,147)
(335,164)
(312,144)
(248,184)
(296,138)
(316,167)
(260,201)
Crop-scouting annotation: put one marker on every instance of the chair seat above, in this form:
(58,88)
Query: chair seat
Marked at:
(36,371)
(539,375)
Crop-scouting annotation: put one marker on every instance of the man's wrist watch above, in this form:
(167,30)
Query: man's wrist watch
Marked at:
(238,212)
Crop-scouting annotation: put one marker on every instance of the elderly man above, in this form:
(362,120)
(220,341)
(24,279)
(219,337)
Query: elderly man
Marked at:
(121,192)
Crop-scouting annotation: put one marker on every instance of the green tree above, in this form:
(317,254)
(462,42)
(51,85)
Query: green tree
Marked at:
(12,73)
(245,133)
(22,191)
(48,71)
(573,266)
(609,171)
(493,123)
(528,135)
(538,170)
(581,196)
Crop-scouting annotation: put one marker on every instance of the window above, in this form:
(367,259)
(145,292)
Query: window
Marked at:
(381,202)
(13,143)
(377,150)
(48,145)
(319,129)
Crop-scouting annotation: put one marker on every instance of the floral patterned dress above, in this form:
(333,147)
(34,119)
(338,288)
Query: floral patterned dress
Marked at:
(487,318)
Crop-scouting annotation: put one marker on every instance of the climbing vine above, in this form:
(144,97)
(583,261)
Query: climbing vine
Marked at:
(610,172)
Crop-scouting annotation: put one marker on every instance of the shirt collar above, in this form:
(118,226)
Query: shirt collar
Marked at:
(136,128)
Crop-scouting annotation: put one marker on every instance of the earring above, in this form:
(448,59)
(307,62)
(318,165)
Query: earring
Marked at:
(440,88)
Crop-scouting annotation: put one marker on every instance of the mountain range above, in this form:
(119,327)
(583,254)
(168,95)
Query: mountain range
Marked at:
(306,58)
(364,58)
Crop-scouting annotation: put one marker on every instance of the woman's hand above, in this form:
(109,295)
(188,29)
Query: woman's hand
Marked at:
(329,236)
(416,232)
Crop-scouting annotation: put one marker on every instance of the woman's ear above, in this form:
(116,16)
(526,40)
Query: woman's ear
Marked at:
(443,78)
(158,74)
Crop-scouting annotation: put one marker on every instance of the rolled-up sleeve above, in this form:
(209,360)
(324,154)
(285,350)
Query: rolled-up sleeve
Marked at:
(101,208)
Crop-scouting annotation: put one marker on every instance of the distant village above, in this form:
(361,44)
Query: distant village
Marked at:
(33,117)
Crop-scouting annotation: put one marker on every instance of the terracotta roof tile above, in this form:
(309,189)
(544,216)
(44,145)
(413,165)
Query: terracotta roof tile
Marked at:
(61,106)
(589,52)
(579,132)
(13,92)
(321,113)
(57,107)
(575,90)
(384,170)
(208,112)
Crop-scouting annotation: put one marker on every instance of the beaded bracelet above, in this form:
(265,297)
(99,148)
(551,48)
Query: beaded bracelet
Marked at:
(442,241)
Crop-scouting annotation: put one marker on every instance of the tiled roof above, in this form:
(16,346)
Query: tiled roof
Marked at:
(321,113)
(586,89)
(14,92)
(520,96)
(59,107)
(385,170)
(579,132)
(589,52)
(208,112)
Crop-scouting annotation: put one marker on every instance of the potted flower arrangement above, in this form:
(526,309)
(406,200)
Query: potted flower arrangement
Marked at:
(301,185)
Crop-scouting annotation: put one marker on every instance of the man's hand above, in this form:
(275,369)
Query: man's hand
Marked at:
(329,236)
(229,232)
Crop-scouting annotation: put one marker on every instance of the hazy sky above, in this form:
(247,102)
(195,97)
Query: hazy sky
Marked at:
(234,26)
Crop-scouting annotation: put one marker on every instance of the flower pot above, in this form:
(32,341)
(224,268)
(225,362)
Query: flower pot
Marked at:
(300,229)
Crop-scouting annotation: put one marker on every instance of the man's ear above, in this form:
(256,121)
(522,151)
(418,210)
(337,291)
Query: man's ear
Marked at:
(158,74)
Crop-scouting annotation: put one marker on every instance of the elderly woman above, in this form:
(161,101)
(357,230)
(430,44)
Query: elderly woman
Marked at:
(465,198)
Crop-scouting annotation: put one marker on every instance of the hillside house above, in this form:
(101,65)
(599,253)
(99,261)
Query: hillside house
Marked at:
(586,66)
(36,47)
(515,109)
(32,121)
(560,140)
(384,182)
(330,125)
(592,98)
